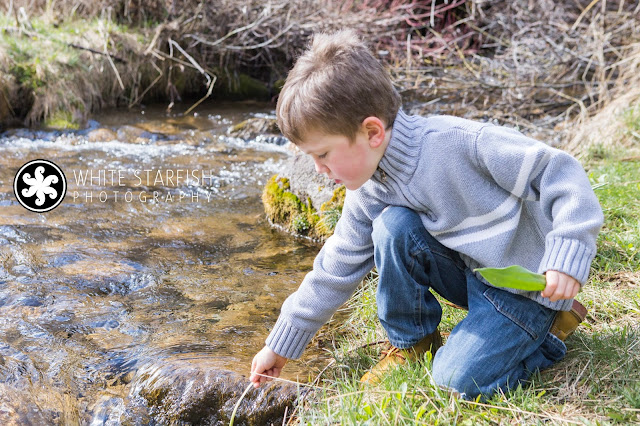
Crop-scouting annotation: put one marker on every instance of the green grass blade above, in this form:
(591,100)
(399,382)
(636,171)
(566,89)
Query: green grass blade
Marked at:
(514,276)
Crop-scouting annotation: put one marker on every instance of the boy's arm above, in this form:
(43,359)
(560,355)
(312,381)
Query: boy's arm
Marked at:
(532,170)
(345,258)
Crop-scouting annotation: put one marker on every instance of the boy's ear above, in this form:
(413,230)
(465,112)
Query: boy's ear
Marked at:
(374,128)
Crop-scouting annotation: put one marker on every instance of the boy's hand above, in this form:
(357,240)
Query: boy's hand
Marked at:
(560,286)
(266,362)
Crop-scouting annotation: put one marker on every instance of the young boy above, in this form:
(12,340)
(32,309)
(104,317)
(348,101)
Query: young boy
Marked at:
(428,201)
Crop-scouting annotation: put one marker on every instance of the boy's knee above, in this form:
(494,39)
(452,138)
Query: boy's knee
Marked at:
(456,378)
(393,222)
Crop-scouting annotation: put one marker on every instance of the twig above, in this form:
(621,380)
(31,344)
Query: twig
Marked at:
(221,39)
(628,159)
(235,408)
(150,48)
(210,80)
(263,44)
(160,74)
(195,64)
(106,52)
(583,108)
(97,52)
(211,83)
(584,12)
(278,379)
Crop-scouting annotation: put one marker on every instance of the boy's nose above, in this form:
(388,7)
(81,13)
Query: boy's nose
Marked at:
(320,168)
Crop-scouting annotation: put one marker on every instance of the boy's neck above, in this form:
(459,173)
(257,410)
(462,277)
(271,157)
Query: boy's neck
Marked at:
(385,143)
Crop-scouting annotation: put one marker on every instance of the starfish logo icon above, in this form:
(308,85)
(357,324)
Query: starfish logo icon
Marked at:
(40,186)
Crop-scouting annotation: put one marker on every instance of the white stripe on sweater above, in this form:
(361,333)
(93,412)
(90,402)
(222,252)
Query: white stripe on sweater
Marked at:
(508,204)
(483,234)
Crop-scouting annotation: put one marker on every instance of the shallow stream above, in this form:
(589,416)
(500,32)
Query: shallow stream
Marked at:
(159,252)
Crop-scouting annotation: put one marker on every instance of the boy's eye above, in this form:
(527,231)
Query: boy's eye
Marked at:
(323,155)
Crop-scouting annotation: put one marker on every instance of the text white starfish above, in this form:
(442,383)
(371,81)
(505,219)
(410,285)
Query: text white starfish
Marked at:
(39,185)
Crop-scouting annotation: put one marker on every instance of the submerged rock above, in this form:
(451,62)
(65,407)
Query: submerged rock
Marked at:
(194,391)
(261,129)
(101,135)
(131,134)
(35,404)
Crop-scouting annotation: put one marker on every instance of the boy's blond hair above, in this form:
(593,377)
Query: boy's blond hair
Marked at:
(333,87)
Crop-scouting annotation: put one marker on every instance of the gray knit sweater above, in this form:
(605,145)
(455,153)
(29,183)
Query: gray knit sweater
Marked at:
(495,196)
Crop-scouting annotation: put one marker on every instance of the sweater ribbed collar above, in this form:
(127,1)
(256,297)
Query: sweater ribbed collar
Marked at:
(401,157)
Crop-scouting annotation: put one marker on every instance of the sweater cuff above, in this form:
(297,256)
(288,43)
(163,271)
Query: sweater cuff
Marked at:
(571,257)
(288,341)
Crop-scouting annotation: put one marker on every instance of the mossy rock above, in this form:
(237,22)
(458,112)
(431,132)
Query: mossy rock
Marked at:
(284,208)
(61,120)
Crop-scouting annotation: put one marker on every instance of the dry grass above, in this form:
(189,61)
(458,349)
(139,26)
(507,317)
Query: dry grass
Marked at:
(536,65)
(50,73)
(613,124)
(541,65)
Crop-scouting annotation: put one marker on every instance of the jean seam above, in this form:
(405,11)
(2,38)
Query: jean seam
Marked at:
(417,312)
(422,247)
(513,319)
(418,242)
(417,319)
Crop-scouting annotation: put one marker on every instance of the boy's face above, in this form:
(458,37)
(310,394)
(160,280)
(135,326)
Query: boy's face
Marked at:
(348,163)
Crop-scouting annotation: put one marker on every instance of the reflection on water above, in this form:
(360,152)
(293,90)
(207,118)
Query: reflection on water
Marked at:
(109,282)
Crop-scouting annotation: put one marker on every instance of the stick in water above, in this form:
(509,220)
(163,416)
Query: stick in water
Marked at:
(235,409)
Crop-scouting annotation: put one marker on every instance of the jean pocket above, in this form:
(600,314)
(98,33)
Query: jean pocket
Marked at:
(527,314)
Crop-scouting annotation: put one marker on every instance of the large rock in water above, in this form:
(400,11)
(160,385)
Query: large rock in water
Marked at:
(193,391)
(298,199)
(305,182)
(303,202)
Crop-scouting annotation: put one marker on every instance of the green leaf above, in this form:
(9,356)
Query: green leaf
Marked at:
(514,276)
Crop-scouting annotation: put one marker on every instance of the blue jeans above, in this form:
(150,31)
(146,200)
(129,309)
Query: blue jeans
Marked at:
(503,339)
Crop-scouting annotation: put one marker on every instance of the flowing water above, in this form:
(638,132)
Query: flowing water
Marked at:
(159,252)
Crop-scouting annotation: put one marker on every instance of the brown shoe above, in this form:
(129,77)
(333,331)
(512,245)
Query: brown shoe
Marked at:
(566,322)
(393,357)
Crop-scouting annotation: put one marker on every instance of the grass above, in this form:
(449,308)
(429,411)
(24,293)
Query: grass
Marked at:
(597,383)
(56,79)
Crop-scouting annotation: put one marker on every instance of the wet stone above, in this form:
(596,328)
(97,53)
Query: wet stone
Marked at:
(195,392)
(259,129)
(101,135)
(131,134)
